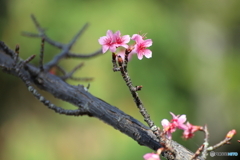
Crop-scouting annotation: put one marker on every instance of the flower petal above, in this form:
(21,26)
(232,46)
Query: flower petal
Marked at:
(110,34)
(140,55)
(101,40)
(137,38)
(147,53)
(182,118)
(126,38)
(105,48)
(112,48)
(165,123)
(147,43)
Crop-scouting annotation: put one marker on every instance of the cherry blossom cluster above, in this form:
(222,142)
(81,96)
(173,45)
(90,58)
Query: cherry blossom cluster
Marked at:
(169,127)
(114,40)
(177,122)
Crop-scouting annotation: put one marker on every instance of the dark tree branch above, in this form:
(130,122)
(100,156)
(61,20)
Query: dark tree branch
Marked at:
(81,98)
(41,56)
(86,103)
(84,56)
(65,47)
(70,74)
(17,66)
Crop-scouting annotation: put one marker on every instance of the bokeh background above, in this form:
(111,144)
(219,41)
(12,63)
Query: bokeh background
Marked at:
(195,70)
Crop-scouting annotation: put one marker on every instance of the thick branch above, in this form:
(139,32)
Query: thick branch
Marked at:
(81,98)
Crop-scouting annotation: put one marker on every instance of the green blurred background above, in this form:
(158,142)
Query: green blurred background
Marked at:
(195,70)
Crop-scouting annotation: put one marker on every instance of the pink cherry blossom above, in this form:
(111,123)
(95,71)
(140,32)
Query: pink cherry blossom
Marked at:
(121,41)
(108,42)
(179,121)
(151,156)
(189,130)
(168,128)
(141,45)
(113,40)
(176,122)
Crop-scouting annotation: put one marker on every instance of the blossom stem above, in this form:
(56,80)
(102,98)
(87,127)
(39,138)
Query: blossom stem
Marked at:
(223,142)
(123,69)
(114,62)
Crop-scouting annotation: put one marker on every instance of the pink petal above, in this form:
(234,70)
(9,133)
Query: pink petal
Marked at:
(105,48)
(124,45)
(165,123)
(126,38)
(182,118)
(173,115)
(112,48)
(117,34)
(137,38)
(140,56)
(110,34)
(147,43)
(147,53)
(101,40)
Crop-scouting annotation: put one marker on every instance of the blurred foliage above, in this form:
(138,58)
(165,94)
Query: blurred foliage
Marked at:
(195,70)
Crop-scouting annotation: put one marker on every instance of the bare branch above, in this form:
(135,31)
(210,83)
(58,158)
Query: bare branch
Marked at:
(65,50)
(83,56)
(227,140)
(66,53)
(18,66)
(89,105)
(41,55)
(70,74)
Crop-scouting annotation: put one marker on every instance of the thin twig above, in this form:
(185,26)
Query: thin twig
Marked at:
(65,47)
(41,55)
(47,39)
(198,152)
(37,25)
(223,142)
(83,56)
(70,74)
(114,62)
(61,69)
(16,55)
(65,50)
(206,142)
(74,39)
(7,50)
(135,96)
